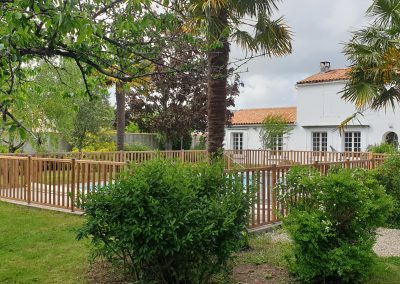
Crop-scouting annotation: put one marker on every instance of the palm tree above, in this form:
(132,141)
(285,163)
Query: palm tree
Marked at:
(374,54)
(230,20)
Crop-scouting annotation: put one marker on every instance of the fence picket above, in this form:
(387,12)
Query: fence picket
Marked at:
(55,182)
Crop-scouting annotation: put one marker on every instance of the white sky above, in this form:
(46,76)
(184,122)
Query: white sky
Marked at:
(320,28)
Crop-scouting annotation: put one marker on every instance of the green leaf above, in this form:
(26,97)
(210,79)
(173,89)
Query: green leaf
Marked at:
(22,133)
(12,128)
(17,15)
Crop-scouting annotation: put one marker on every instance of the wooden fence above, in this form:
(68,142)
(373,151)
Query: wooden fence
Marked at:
(66,183)
(256,158)
(60,183)
(262,181)
(233,158)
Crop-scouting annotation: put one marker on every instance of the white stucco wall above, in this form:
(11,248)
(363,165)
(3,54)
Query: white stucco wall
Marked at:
(321,109)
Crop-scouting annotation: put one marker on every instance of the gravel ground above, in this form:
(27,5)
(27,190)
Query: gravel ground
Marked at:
(387,243)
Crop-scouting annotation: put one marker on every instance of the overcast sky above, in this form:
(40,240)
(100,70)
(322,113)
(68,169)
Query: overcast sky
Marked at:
(320,28)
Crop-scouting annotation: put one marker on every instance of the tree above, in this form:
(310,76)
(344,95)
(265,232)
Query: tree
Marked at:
(374,54)
(221,21)
(274,128)
(43,107)
(91,118)
(112,38)
(174,105)
(120,114)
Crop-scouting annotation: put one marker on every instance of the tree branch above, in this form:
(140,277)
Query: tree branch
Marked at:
(84,78)
(106,7)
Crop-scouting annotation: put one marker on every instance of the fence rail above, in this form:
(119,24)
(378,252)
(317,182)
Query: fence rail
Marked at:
(65,181)
(257,158)
(262,184)
(233,158)
(60,183)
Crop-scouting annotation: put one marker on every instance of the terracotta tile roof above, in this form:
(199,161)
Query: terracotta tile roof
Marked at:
(331,75)
(256,116)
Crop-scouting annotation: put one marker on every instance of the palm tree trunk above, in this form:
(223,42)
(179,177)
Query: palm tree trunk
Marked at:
(120,102)
(217,90)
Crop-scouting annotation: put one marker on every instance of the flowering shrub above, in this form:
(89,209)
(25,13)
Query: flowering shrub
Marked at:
(333,223)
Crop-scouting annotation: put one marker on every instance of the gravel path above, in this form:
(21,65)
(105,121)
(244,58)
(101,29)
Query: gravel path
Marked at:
(387,243)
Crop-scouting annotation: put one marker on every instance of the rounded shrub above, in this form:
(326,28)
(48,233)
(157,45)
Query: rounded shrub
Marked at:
(388,175)
(168,222)
(334,224)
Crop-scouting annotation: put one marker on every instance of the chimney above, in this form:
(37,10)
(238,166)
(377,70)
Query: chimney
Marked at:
(325,66)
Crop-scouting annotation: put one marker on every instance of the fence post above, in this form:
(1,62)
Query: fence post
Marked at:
(347,163)
(73,162)
(28,178)
(273,184)
(371,160)
(121,156)
(182,154)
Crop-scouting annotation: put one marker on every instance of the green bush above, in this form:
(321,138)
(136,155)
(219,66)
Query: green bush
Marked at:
(99,142)
(388,175)
(384,148)
(333,226)
(136,147)
(202,144)
(168,222)
(132,127)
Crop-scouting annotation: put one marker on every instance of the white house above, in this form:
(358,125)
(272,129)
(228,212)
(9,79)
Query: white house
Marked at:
(315,119)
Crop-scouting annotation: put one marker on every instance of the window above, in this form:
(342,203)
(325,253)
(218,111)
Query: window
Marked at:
(320,141)
(352,141)
(237,141)
(278,143)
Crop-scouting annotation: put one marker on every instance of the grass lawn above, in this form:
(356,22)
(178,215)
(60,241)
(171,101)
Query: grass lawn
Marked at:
(265,263)
(39,246)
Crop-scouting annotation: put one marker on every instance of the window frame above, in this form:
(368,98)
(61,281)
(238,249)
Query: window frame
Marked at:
(352,141)
(322,138)
(278,146)
(237,141)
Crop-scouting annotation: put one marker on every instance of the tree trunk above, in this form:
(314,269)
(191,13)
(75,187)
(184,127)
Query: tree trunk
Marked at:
(217,90)
(120,102)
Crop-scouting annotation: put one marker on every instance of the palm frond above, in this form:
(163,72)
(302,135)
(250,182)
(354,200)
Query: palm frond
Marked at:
(271,37)
(386,12)
(243,39)
(252,8)
(388,97)
(362,94)
(355,116)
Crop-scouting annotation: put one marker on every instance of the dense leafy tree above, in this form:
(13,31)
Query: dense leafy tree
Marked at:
(118,39)
(54,101)
(174,105)
(91,118)
(374,53)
